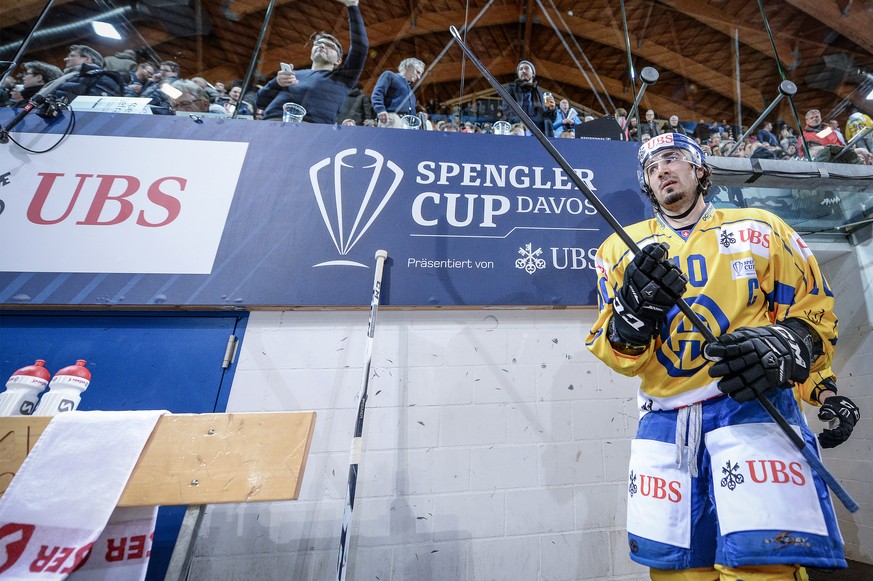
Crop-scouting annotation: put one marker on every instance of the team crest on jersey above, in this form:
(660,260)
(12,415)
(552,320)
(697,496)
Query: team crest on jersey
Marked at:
(747,236)
(743,268)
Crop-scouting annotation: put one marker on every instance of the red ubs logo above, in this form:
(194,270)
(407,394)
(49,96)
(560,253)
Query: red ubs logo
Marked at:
(776,471)
(14,538)
(112,201)
(755,237)
(660,488)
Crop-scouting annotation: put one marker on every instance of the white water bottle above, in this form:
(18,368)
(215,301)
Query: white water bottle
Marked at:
(23,389)
(65,390)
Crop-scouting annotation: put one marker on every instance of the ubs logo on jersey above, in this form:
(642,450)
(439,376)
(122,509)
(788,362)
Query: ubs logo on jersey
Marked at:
(747,236)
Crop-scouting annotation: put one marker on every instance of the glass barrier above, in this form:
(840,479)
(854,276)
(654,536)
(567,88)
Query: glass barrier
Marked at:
(715,70)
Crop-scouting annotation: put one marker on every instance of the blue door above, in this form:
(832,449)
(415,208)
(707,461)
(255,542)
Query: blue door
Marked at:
(138,361)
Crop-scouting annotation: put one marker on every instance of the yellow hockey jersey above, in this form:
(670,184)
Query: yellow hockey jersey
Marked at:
(745,268)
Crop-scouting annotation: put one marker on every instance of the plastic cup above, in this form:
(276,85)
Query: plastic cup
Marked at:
(293,113)
(411,122)
(501,128)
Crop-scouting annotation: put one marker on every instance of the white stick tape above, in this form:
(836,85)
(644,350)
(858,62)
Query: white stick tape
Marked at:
(356,451)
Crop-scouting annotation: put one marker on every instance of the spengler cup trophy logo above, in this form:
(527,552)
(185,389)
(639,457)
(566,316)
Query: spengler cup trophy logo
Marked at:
(347,213)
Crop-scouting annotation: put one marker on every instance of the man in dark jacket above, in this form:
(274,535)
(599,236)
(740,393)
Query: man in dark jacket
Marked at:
(527,93)
(357,107)
(85,75)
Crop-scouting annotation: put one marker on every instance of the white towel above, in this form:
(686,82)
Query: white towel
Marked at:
(61,499)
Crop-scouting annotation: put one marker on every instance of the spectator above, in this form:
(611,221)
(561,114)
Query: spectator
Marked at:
(856,124)
(650,127)
(121,62)
(566,119)
(348,123)
(85,75)
(357,106)
(392,96)
(701,131)
(139,79)
(835,125)
(168,73)
(37,74)
(632,132)
(526,92)
(321,89)
(621,119)
(765,135)
(192,100)
(787,137)
(213,93)
(672,126)
(815,130)
(234,101)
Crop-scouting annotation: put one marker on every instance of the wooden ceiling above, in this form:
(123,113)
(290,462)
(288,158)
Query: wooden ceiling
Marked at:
(695,45)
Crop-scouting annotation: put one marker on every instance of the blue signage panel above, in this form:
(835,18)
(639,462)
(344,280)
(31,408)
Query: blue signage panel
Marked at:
(138,210)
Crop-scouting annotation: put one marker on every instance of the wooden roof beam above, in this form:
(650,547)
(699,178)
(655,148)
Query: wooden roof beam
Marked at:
(670,60)
(854,25)
(716,19)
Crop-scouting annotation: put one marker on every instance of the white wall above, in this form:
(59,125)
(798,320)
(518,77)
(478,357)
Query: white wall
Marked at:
(851,277)
(495,445)
(496,448)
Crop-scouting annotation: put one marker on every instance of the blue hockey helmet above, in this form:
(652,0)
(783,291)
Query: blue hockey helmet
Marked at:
(663,142)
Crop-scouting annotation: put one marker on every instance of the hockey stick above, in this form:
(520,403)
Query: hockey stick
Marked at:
(808,453)
(355,458)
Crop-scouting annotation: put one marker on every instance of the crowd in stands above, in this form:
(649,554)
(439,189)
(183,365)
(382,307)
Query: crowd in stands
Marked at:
(330,93)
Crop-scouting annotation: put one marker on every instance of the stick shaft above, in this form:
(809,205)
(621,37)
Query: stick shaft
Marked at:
(357,440)
(698,323)
(571,174)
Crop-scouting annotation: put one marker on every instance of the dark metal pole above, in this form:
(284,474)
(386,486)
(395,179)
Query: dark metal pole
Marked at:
(782,74)
(26,42)
(786,89)
(254,62)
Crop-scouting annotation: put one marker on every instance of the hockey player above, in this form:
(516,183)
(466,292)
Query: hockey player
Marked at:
(715,490)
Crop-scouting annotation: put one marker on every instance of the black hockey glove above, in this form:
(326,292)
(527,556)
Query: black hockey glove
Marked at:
(650,289)
(751,361)
(845,412)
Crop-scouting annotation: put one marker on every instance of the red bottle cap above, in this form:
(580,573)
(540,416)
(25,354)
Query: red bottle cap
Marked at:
(36,370)
(79,370)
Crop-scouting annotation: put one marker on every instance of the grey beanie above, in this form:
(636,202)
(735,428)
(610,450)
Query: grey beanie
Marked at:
(528,63)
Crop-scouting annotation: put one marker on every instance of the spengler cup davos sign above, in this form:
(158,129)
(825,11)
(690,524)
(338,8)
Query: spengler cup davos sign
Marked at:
(284,215)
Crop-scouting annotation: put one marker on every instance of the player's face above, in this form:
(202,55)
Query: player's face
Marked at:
(673,179)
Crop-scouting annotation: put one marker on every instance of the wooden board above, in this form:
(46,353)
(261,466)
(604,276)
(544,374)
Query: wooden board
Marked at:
(197,458)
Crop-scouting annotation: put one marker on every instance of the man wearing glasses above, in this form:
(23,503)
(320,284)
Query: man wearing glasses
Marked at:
(192,98)
(392,97)
(321,89)
(37,74)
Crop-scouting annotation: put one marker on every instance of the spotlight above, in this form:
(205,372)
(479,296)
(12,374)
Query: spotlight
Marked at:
(105,30)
